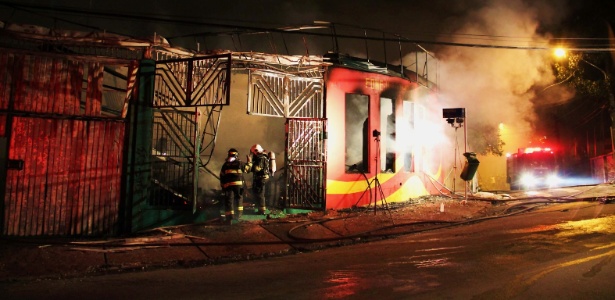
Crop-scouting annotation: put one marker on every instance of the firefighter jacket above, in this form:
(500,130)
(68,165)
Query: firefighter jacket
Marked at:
(232,173)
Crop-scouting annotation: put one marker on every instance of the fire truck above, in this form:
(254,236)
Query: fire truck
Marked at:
(532,168)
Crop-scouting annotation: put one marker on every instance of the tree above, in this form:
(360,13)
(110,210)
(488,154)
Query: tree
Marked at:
(584,76)
(486,139)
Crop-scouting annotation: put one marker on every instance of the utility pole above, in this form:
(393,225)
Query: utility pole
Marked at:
(609,89)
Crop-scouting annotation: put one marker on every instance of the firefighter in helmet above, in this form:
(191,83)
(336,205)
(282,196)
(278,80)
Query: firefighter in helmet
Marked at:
(262,165)
(231,182)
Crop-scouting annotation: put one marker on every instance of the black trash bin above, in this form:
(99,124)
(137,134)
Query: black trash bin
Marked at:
(470,167)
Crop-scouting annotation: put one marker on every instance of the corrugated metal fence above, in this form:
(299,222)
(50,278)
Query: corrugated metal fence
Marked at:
(64,138)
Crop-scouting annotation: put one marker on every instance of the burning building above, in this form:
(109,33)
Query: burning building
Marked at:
(105,134)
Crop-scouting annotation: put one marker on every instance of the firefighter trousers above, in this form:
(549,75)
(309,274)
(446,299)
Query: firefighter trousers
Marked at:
(233,203)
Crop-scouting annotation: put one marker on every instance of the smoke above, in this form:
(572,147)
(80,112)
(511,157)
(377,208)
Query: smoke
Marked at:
(498,85)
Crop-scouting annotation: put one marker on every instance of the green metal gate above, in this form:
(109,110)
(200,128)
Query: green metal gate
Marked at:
(188,98)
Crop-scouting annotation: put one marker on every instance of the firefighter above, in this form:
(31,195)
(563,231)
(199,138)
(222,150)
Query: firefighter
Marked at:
(262,165)
(231,182)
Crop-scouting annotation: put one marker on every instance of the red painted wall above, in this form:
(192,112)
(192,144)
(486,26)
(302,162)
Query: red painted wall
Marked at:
(345,190)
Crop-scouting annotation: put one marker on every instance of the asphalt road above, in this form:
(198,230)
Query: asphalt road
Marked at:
(562,251)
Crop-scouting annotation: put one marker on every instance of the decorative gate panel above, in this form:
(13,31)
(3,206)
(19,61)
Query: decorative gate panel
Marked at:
(306,159)
(174,153)
(283,95)
(200,81)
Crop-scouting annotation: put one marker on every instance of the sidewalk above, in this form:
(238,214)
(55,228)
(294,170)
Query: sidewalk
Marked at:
(255,237)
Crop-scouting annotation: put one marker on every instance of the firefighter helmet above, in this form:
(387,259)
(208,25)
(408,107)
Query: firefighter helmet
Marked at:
(256,149)
(233,152)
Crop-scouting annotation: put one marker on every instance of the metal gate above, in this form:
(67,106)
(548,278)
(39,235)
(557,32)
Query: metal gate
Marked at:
(300,100)
(189,95)
(306,163)
(62,143)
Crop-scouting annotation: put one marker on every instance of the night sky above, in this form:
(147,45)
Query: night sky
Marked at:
(437,20)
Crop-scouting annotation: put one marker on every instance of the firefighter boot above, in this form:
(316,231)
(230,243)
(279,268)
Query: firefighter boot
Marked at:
(228,219)
(239,212)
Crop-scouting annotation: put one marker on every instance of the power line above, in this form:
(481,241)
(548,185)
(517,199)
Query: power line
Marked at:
(245,29)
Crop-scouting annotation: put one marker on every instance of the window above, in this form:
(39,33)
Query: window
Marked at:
(387,138)
(407,143)
(357,137)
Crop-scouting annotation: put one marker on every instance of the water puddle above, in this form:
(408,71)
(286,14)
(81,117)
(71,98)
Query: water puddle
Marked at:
(605,225)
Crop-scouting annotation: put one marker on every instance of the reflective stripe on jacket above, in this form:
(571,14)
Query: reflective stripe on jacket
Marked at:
(231,173)
(232,183)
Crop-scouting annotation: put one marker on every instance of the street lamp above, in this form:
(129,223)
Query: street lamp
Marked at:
(559,52)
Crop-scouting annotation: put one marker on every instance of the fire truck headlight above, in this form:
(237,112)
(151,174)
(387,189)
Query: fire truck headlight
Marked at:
(553,180)
(528,180)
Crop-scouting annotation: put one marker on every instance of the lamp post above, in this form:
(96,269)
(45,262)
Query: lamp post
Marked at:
(456,117)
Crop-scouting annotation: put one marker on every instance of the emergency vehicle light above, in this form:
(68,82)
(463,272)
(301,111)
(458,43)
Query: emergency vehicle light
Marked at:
(529,180)
(536,149)
(553,180)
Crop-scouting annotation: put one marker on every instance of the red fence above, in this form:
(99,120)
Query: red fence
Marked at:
(62,119)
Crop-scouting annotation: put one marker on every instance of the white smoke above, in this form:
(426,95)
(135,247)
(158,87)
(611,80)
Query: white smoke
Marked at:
(495,84)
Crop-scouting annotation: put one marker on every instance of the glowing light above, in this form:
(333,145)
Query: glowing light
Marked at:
(501,126)
(536,149)
(553,180)
(559,52)
(532,150)
(528,180)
